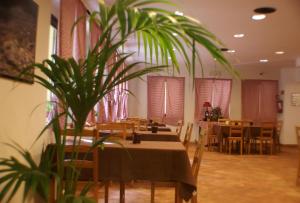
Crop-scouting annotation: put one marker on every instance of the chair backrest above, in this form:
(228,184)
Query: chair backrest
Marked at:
(119,130)
(179,127)
(198,155)
(236,122)
(247,123)
(223,120)
(188,135)
(279,127)
(83,146)
(267,129)
(236,131)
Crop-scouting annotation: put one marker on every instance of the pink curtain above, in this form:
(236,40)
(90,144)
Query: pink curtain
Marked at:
(221,95)
(155,91)
(175,100)
(95,34)
(203,93)
(259,100)
(114,105)
(67,19)
(215,91)
(250,101)
(80,46)
(70,46)
(268,110)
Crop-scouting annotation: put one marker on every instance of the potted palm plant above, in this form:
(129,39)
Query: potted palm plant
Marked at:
(79,85)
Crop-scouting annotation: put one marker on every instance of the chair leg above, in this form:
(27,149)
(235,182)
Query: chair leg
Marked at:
(122,192)
(298,175)
(52,191)
(271,146)
(194,199)
(261,147)
(106,191)
(229,142)
(152,192)
(241,147)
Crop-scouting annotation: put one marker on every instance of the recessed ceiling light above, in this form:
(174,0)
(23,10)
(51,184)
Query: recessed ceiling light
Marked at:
(224,49)
(259,16)
(231,51)
(174,34)
(240,35)
(178,13)
(279,52)
(265,10)
(264,60)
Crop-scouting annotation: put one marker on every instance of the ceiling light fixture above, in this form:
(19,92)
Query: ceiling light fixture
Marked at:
(240,35)
(224,49)
(265,10)
(264,60)
(231,51)
(259,17)
(178,13)
(279,52)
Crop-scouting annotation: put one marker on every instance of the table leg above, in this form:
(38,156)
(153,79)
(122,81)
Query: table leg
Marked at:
(122,192)
(178,199)
(152,192)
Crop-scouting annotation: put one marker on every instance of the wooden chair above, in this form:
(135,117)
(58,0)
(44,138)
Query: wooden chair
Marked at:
(188,135)
(223,120)
(195,170)
(179,127)
(266,136)
(135,121)
(197,160)
(212,139)
(247,136)
(277,135)
(235,136)
(298,140)
(82,147)
(116,130)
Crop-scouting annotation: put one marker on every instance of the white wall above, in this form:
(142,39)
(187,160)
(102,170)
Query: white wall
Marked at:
(17,121)
(289,83)
(137,104)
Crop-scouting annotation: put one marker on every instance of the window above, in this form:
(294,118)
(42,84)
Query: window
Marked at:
(259,100)
(166,98)
(215,91)
(52,50)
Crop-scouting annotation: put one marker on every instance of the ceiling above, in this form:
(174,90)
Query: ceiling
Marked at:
(280,31)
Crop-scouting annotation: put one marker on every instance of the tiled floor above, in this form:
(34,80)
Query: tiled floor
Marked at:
(233,179)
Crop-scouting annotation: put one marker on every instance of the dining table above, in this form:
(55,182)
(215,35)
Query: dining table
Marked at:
(222,131)
(159,128)
(148,161)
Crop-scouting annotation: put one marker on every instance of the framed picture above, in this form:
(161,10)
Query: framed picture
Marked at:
(295,99)
(18,27)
